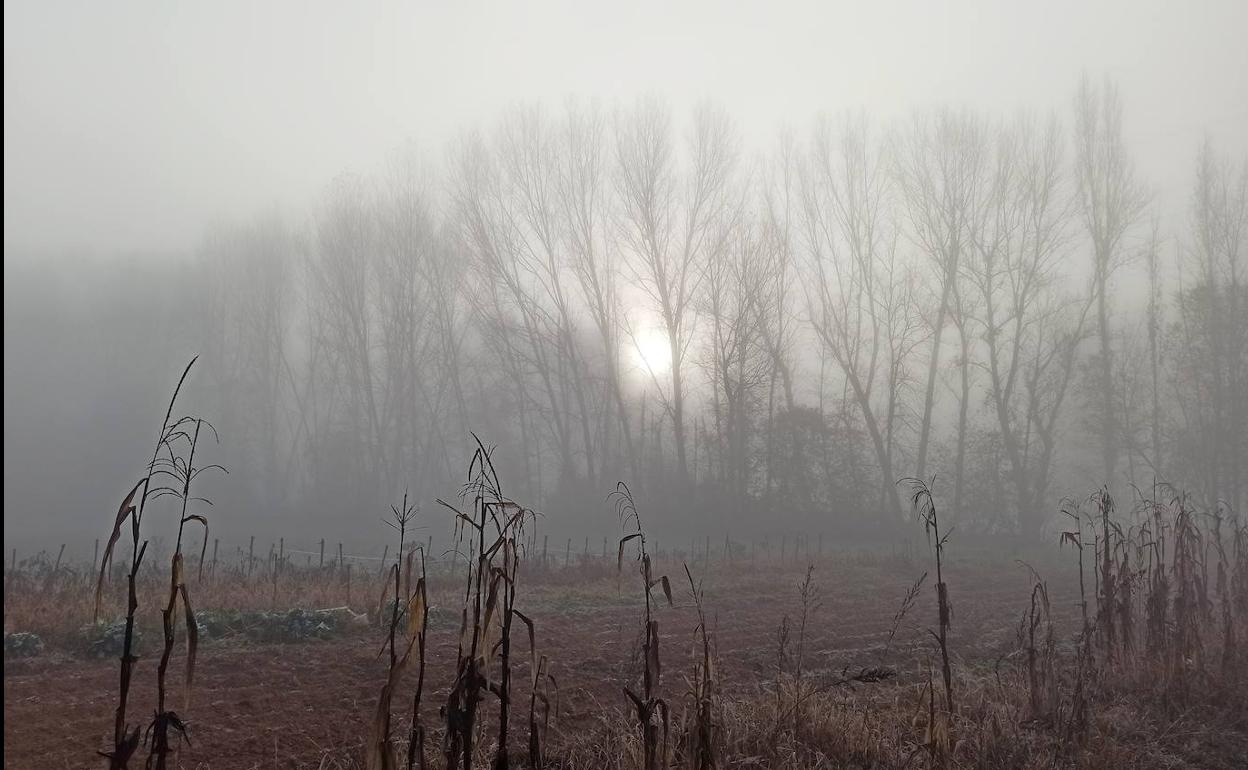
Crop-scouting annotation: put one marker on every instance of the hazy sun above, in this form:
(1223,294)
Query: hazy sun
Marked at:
(652,351)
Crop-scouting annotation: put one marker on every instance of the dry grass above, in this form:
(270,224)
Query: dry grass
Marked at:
(886,726)
(1166,688)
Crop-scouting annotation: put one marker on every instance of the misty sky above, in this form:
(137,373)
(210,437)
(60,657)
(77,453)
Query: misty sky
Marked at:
(129,126)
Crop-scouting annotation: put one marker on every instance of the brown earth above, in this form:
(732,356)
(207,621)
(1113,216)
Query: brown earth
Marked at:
(309,705)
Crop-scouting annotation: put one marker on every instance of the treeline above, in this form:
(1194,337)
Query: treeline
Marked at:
(610,295)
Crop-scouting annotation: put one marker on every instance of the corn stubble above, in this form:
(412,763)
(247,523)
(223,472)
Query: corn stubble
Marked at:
(491,531)
(170,473)
(652,711)
(1159,633)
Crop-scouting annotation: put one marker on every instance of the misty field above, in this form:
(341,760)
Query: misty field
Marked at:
(772,654)
(626,386)
(760,352)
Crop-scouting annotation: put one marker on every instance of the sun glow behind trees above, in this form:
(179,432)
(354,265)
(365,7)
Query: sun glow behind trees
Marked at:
(530,287)
(652,352)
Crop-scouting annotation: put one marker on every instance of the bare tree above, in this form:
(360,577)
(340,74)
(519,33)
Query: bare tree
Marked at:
(508,302)
(1209,354)
(860,296)
(667,222)
(529,154)
(962,308)
(1139,389)
(736,361)
(407,244)
(1155,321)
(1111,202)
(342,275)
(1030,332)
(593,255)
(778,328)
(248,297)
(941,165)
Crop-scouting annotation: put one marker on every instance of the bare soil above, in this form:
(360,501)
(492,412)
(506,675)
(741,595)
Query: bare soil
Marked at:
(309,705)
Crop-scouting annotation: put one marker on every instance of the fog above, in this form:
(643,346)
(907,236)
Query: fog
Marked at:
(759,263)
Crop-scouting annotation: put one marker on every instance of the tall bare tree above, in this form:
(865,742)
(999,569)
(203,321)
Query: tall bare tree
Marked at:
(778,328)
(1111,202)
(1210,358)
(860,295)
(593,255)
(504,298)
(248,292)
(736,360)
(407,335)
(668,217)
(342,274)
(1030,332)
(529,156)
(941,165)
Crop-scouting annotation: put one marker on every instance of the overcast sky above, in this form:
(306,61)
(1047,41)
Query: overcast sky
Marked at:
(131,125)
